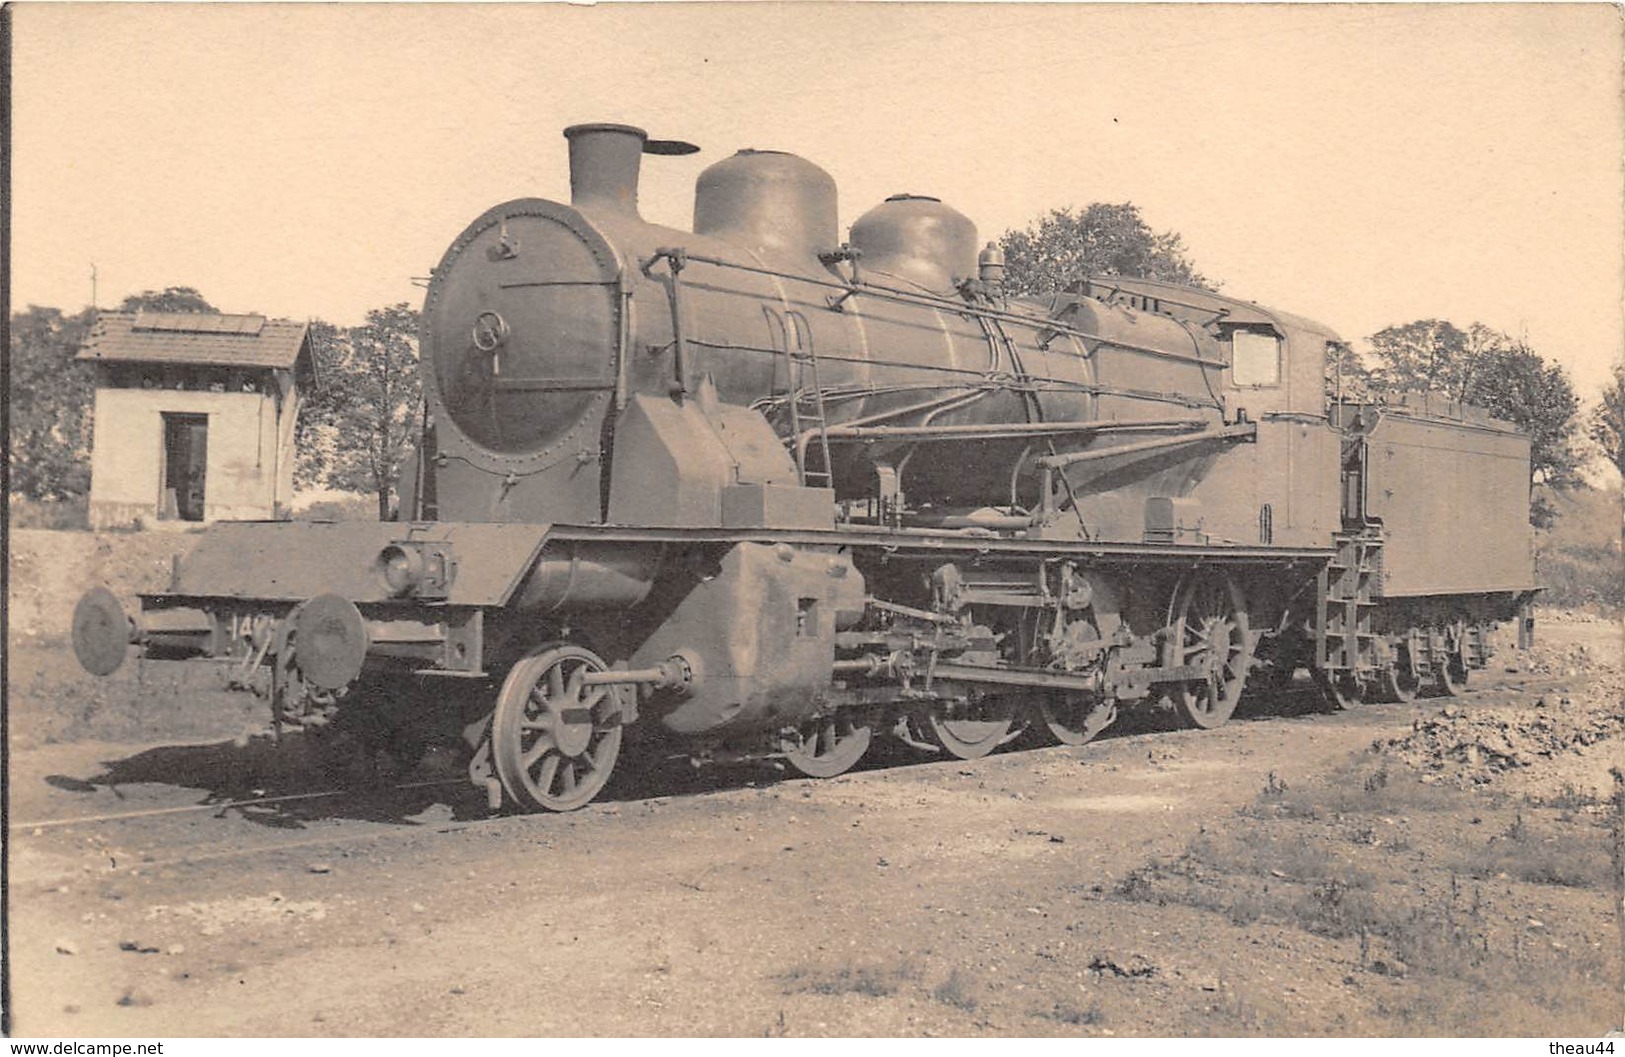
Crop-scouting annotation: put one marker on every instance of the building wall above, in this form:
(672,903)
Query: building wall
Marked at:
(249,472)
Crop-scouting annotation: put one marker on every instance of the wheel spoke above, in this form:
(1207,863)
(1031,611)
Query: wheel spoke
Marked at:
(550,770)
(536,752)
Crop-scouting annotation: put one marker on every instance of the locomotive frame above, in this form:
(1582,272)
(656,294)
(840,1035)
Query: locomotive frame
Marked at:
(752,492)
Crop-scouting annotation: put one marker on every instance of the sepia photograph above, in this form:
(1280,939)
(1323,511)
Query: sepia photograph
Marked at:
(814,519)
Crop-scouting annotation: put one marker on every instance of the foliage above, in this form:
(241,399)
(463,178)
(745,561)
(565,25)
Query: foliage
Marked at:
(50,404)
(1581,575)
(1432,355)
(169,299)
(1607,426)
(1515,383)
(316,428)
(1488,369)
(62,515)
(1103,239)
(357,429)
(1347,376)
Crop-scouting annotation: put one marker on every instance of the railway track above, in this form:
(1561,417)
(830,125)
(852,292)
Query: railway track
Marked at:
(404,827)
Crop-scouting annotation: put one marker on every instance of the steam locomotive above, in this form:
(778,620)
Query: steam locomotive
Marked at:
(751,491)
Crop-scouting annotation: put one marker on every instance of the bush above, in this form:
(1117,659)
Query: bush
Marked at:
(50,513)
(1582,575)
(340,507)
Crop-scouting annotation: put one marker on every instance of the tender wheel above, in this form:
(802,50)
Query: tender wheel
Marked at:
(1075,719)
(554,740)
(1212,632)
(824,748)
(1400,680)
(1450,678)
(1341,689)
(988,724)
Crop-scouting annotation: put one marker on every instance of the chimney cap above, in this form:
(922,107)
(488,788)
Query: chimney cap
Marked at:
(650,146)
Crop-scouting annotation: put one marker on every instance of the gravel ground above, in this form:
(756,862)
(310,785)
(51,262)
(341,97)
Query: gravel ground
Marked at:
(1435,869)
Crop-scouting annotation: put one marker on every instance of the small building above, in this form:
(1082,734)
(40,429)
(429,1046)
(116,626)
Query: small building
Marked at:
(194,416)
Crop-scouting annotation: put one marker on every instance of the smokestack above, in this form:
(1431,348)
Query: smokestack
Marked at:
(604,161)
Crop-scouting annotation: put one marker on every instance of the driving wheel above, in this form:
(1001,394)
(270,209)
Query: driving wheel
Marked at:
(1211,633)
(826,747)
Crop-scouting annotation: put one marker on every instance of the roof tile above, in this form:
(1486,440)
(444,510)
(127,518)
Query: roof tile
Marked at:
(202,339)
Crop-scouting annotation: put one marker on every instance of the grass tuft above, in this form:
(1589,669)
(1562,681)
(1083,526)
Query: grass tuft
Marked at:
(847,979)
(956,991)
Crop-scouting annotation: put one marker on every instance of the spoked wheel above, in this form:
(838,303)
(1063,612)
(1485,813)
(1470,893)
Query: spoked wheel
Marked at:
(1341,689)
(985,726)
(1075,719)
(826,747)
(1450,678)
(555,740)
(1447,647)
(1399,679)
(1212,632)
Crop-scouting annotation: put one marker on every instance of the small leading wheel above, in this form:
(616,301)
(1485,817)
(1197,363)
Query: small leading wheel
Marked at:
(985,726)
(1212,633)
(1075,719)
(826,747)
(1399,679)
(554,740)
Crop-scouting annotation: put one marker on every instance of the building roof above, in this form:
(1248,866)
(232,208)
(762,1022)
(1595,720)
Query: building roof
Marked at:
(197,339)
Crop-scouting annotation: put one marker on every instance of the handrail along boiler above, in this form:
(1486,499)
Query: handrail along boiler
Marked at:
(759,492)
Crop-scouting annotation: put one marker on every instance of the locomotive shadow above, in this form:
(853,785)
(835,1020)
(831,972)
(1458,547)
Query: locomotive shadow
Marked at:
(259,770)
(644,774)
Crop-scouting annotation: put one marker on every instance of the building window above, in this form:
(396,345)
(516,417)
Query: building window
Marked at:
(1255,358)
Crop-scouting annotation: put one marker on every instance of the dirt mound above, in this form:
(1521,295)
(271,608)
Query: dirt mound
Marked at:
(50,569)
(1568,659)
(1555,739)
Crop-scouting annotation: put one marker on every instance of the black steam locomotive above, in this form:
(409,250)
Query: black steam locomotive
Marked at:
(761,492)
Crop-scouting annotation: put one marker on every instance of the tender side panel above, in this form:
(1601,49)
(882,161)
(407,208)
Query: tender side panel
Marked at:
(1453,501)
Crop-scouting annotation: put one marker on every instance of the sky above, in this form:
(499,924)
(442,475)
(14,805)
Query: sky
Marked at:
(1360,165)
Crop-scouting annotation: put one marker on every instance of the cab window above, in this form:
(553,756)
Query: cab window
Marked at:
(1255,358)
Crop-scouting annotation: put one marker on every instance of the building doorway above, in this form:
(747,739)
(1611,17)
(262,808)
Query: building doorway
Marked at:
(186,461)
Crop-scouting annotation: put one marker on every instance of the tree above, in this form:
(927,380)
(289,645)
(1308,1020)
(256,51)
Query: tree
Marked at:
(169,299)
(1608,419)
(1065,245)
(1432,355)
(374,398)
(1347,377)
(315,432)
(1516,384)
(50,396)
